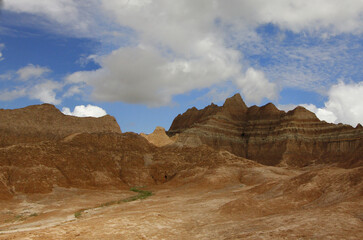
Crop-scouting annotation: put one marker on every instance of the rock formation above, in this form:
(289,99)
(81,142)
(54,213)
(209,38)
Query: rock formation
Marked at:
(54,167)
(99,160)
(42,148)
(158,137)
(268,135)
(45,122)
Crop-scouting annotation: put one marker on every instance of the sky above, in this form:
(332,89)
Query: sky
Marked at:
(144,61)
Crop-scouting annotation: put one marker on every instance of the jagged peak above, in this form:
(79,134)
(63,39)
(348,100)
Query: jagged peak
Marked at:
(235,101)
(235,107)
(301,113)
(267,111)
(359,126)
(270,108)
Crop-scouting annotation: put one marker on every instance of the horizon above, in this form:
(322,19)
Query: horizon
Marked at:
(145,62)
(167,128)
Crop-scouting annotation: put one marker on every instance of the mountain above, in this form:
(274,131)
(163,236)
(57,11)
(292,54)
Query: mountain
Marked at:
(65,177)
(45,122)
(268,135)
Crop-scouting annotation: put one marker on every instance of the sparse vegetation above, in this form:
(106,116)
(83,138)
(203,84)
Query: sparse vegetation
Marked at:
(142,194)
(33,215)
(78,213)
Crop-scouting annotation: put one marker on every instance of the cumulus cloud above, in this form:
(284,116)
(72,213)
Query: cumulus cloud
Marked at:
(31,71)
(183,53)
(321,113)
(343,106)
(345,101)
(255,86)
(45,92)
(85,111)
(142,74)
(179,46)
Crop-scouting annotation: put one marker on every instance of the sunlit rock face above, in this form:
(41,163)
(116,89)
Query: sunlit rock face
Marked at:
(268,135)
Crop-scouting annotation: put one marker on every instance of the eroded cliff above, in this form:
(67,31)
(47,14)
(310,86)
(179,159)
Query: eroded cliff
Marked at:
(270,136)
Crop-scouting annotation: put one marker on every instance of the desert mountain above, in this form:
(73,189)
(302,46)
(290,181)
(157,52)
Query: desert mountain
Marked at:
(268,135)
(45,122)
(203,184)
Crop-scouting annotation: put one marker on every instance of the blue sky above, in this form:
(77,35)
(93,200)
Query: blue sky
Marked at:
(145,61)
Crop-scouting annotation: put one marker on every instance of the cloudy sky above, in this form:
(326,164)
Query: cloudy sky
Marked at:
(146,61)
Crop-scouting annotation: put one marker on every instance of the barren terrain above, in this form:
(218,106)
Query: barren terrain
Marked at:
(227,172)
(266,203)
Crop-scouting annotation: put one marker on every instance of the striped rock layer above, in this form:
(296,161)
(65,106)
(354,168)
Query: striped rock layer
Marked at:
(270,136)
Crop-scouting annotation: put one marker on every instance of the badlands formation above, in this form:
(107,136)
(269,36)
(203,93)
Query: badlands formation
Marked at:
(223,172)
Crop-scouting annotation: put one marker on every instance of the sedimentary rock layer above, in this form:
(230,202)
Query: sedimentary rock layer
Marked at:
(269,135)
(102,160)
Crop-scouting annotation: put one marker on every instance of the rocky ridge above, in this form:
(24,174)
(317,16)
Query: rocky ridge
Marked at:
(88,165)
(268,135)
(45,122)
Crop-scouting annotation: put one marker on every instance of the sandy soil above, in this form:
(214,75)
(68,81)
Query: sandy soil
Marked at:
(184,212)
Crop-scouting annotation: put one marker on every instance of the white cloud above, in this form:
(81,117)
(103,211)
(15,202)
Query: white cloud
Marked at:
(8,95)
(67,13)
(322,113)
(73,90)
(345,101)
(33,85)
(85,111)
(343,106)
(179,46)
(255,86)
(142,74)
(31,71)
(331,16)
(45,92)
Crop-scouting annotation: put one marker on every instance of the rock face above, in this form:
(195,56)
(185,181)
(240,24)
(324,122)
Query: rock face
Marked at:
(268,135)
(100,160)
(45,122)
(158,137)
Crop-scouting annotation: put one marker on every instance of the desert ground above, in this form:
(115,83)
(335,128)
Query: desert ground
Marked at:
(265,203)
